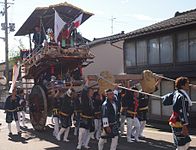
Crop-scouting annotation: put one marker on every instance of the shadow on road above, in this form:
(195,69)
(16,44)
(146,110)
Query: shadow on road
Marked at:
(146,143)
(47,136)
(17,138)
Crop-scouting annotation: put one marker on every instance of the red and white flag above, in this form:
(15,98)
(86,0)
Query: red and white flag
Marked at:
(58,25)
(77,22)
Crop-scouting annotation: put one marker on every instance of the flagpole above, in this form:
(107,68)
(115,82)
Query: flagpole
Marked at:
(42,26)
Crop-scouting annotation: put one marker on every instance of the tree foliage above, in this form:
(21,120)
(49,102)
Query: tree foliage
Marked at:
(14,54)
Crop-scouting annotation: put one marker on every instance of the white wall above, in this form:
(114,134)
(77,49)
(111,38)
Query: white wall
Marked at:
(107,57)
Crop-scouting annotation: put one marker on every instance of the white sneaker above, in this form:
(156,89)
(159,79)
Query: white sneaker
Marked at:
(79,147)
(58,137)
(66,140)
(129,140)
(87,147)
(142,136)
(137,140)
(92,137)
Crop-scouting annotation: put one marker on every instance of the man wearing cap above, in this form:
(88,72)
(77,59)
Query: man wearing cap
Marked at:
(110,119)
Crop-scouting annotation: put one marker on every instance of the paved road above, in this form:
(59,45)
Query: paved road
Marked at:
(156,139)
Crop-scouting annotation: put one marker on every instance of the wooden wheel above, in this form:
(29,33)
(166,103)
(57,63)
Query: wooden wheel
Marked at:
(38,107)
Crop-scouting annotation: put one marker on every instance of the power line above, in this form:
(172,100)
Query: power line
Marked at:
(112,21)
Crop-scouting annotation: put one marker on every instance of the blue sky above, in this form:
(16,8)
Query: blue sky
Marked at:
(129,15)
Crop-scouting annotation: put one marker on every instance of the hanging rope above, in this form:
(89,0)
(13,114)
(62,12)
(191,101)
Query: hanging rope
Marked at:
(122,87)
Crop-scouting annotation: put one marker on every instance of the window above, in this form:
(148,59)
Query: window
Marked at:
(193,97)
(167,87)
(166,49)
(130,54)
(182,48)
(141,53)
(153,54)
(192,45)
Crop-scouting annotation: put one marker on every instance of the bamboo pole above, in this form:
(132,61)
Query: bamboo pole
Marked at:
(166,78)
(122,87)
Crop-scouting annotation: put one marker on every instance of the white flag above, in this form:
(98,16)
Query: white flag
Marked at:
(14,77)
(58,25)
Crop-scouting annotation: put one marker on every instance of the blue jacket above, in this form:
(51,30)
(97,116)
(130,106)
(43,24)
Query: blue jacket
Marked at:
(87,107)
(109,114)
(12,105)
(180,106)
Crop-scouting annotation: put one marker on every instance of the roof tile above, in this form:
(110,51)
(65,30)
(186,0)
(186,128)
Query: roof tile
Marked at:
(179,20)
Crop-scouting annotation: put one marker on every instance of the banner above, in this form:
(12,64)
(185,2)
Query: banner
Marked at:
(14,77)
(58,25)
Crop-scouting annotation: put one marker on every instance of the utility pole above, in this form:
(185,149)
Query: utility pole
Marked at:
(6,46)
(5,27)
(112,21)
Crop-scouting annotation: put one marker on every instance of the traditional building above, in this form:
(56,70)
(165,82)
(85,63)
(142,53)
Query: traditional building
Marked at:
(167,47)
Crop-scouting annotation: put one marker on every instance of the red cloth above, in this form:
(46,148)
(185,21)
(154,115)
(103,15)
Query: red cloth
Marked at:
(173,118)
(136,103)
(65,34)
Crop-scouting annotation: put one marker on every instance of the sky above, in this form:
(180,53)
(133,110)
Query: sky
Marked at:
(126,15)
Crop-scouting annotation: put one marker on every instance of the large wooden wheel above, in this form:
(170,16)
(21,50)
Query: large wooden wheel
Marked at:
(38,107)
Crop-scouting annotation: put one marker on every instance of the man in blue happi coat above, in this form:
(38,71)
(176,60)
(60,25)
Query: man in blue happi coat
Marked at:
(110,118)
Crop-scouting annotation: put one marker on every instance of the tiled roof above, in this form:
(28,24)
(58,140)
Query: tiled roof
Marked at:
(179,20)
(105,39)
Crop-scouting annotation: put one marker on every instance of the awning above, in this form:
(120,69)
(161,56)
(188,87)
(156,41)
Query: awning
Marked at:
(45,17)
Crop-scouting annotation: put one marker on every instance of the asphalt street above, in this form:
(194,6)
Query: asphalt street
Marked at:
(157,137)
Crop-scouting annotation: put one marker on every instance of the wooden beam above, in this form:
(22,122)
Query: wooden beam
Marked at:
(119,77)
(128,77)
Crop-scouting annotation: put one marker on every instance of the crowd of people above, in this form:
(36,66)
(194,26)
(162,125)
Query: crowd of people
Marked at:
(102,116)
